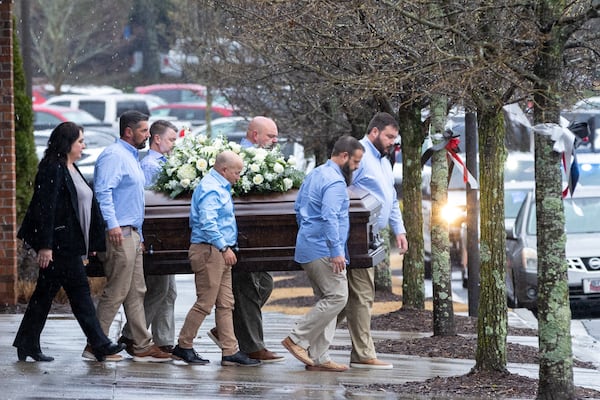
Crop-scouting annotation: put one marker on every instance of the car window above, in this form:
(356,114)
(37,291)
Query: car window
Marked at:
(95,139)
(95,107)
(45,119)
(513,199)
(582,215)
(127,105)
(80,117)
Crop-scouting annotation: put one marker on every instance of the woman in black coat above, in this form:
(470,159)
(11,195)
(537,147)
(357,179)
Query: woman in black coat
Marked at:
(63,224)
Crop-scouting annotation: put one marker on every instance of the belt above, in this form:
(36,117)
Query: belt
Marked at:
(126,229)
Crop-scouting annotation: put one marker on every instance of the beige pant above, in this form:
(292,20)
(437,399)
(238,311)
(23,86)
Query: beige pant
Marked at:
(361,295)
(124,270)
(213,288)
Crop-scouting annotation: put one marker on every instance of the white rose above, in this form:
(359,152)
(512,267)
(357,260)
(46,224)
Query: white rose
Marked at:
(287,183)
(202,165)
(185,183)
(186,171)
(254,167)
(258,179)
(278,168)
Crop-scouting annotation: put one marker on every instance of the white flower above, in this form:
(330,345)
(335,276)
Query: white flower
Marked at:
(258,179)
(202,165)
(265,170)
(254,167)
(186,171)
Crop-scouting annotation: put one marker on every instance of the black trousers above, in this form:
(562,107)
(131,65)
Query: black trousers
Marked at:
(67,272)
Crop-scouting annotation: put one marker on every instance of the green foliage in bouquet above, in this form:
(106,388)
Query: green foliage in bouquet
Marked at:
(265,171)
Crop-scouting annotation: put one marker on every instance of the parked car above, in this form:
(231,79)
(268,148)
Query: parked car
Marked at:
(47,117)
(582,212)
(189,114)
(95,142)
(587,110)
(175,92)
(108,107)
(233,127)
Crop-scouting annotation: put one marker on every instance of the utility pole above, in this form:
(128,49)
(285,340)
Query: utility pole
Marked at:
(471,146)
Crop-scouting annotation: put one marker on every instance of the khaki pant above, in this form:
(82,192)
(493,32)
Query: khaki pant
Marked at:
(316,329)
(361,295)
(213,288)
(124,270)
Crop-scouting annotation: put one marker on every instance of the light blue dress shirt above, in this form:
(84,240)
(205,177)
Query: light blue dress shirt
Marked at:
(212,216)
(376,177)
(322,214)
(119,186)
(151,165)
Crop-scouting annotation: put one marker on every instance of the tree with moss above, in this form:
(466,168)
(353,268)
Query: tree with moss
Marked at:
(26,160)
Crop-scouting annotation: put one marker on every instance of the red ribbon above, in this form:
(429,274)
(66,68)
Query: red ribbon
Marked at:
(452,147)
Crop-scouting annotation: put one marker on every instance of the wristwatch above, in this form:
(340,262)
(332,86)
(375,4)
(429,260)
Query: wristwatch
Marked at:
(224,249)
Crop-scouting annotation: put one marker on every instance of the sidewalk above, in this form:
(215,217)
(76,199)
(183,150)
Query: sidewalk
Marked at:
(72,377)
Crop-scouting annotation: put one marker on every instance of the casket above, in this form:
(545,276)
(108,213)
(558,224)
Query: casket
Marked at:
(267,233)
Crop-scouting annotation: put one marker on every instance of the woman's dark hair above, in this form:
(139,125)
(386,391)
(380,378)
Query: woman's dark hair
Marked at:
(61,139)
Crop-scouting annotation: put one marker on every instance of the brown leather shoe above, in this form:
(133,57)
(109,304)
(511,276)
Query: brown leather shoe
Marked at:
(266,356)
(166,348)
(371,364)
(152,354)
(329,366)
(297,351)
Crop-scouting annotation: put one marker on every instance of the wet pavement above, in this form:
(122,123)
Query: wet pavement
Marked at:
(70,376)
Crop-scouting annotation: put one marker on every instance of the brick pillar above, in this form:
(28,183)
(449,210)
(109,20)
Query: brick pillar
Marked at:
(8,216)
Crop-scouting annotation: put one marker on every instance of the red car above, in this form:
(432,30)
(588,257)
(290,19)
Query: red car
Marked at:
(189,114)
(47,117)
(175,92)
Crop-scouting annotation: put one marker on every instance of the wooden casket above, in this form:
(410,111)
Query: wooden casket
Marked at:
(267,233)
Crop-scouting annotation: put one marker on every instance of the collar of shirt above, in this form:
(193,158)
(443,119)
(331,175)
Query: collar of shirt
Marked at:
(220,178)
(246,143)
(129,148)
(155,154)
(370,147)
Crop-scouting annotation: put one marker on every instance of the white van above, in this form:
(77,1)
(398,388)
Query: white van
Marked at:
(108,107)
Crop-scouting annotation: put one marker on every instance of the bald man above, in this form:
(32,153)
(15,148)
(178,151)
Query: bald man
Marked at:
(214,233)
(251,290)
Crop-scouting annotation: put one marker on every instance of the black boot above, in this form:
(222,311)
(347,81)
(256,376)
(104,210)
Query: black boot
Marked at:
(36,354)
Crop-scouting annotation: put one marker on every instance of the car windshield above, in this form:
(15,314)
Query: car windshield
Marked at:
(581,216)
(513,198)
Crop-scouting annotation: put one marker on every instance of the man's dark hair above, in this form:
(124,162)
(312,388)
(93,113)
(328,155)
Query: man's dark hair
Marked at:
(346,144)
(130,119)
(160,127)
(381,120)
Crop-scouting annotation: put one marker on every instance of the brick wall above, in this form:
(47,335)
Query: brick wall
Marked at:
(8,218)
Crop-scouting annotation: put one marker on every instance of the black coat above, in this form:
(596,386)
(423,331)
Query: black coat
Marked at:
(52,218)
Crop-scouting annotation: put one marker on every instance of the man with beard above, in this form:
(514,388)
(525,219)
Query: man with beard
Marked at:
(322,213)
(119,186)
(375,176)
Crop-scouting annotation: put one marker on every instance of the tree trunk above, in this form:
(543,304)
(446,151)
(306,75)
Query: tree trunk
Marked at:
(554,314)
(413,268)
(492,322)
(443,313)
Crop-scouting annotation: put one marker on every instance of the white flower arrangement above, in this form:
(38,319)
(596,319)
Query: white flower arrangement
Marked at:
(264,170)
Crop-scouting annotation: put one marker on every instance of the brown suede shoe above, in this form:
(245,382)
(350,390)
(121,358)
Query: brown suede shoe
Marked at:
(371,364)
(329,366)
(297,351)
(266,356)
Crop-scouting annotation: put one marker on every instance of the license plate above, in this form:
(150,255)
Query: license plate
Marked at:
(591,286)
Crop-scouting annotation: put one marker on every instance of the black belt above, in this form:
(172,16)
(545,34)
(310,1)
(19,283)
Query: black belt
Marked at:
(133,228)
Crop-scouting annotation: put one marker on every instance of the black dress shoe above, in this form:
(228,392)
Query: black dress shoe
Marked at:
(188,355)
(108,349)
(37,355)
